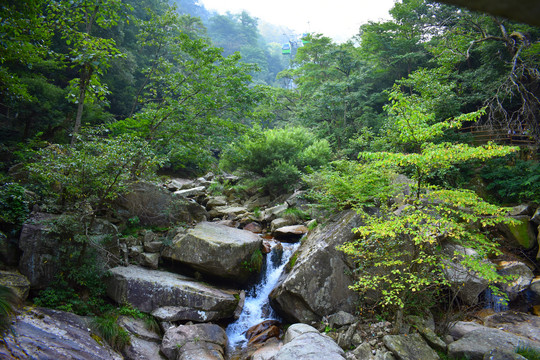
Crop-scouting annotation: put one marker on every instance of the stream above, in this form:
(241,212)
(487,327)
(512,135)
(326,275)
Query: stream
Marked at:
(257,307)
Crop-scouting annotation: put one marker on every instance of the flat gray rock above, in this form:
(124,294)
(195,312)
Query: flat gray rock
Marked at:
(148,290)
(194,342)
(477,343)
(51,334)
(310,346)
(517,323)
(409,347)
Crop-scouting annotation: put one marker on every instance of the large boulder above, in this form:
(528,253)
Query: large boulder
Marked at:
(521,233)
(50,334)
(169,296)
(40,250)
(305,342)
(41,247)
(155,206)
(318,283)
(144,343)
(16,282)
(194,342)
(409,347)
(216,250)
(463,281)
(475,344)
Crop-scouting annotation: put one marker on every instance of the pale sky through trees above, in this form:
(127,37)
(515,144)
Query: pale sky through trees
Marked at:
(339,19)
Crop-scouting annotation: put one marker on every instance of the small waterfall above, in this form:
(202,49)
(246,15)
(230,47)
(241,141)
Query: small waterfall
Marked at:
(495,302)
(257,307)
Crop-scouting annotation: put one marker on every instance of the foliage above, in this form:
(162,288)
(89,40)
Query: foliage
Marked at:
(255,262)
(428,218)
(512,180)
(107,327)
(189,91)
(89,176)
(280,155)
(8,300)
(528,352)
(85,179)
(295,214)
(77,287)
(415,237)
(14,205)
(346,184)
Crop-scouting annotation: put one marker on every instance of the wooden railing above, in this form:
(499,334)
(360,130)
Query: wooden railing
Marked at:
(482,135)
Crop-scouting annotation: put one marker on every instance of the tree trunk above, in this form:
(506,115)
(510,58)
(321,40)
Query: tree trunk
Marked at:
(85,79)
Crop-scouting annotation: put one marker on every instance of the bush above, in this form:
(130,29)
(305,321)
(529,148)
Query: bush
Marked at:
(512,180)
(280,156)
(111,332)
(13,205)
(348,184)
(8,300)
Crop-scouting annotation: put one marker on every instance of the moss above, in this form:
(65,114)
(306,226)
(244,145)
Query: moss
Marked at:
(293,260)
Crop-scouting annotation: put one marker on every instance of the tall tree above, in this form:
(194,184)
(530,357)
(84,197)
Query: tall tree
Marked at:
(79,23)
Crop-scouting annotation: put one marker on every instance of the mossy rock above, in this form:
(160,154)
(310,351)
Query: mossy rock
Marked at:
(520,234)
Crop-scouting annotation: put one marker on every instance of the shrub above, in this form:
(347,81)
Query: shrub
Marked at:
(13,205)
(348,184)
(280,156)
(528,352)
(511,180)
(8,300)
(111,332)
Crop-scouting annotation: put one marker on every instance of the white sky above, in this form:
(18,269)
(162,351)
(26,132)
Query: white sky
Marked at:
(338,19)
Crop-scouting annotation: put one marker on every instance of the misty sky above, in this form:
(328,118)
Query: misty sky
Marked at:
(339,19)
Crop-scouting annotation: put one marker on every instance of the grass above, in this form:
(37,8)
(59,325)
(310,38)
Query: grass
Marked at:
(111,332)
(8,300)
(528,352)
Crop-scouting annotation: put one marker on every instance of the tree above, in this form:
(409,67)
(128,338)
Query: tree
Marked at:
(77,22)
(24,38)
(279,156)
(189,90)
(400,252)
(82,182)
(497,62)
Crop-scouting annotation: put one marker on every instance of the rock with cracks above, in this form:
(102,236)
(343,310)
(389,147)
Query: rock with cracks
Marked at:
(156,291)
(318,283)
(51,334)
(306,343)
(190,342)
(216,250)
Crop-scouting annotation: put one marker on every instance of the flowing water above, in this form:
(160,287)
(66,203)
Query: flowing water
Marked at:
(495,302)
(257,307)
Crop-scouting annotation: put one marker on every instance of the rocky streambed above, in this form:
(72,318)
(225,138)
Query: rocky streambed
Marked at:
(194,278)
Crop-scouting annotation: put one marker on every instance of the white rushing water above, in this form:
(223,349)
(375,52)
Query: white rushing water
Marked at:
(257,307)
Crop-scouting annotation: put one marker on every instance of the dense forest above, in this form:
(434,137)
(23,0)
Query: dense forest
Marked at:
(96,95)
